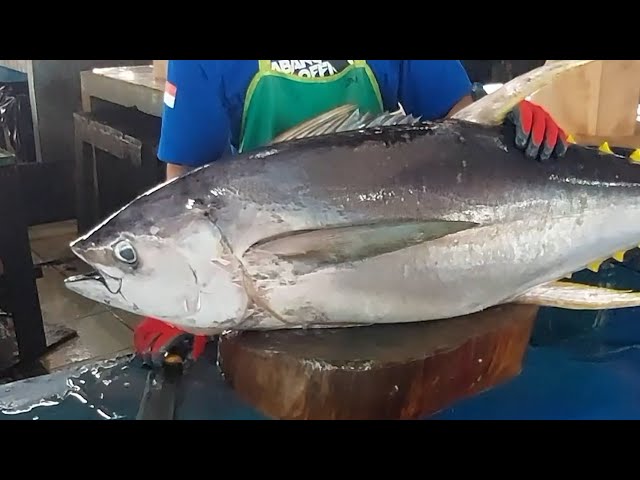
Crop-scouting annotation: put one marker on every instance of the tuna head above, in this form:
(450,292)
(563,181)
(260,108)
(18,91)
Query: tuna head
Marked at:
(161,256)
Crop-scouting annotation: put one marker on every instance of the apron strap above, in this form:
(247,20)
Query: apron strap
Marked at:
(264,65)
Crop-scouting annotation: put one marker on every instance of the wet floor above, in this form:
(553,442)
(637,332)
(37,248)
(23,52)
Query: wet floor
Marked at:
(102,331)
(113,388)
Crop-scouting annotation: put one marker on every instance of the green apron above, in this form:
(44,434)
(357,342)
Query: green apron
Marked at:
(277,101)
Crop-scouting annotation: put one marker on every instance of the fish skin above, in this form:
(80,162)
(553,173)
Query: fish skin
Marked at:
(538,222)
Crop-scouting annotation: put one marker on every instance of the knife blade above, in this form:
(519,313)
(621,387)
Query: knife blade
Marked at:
(160,393)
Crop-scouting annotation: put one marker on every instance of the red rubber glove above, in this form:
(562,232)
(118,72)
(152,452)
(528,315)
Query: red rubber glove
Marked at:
(537,133)
(153,338)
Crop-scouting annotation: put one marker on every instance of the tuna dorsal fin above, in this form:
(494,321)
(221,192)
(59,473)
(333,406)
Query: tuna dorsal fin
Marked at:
(352,243)
(342,119)
(576,296)
(493,108)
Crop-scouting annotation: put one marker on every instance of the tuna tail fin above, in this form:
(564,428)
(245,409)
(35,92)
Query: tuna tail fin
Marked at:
(493,108)
(342,119)
(576,296)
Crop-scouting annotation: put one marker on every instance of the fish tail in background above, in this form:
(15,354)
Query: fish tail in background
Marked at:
(493,108)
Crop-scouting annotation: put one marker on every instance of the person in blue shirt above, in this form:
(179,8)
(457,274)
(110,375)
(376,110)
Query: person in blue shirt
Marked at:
(217,107)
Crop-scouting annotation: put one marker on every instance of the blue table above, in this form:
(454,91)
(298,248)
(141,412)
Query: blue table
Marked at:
(580,365)
(585,380)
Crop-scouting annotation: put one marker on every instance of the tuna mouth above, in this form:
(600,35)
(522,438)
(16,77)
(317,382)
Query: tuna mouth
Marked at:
(113,285)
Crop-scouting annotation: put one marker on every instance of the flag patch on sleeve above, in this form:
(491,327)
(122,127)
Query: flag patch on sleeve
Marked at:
(170,91)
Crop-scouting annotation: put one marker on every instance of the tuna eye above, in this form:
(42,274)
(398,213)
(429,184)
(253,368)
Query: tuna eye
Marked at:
(125,252)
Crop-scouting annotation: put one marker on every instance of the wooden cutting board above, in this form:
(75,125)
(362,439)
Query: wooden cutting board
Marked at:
(380,372)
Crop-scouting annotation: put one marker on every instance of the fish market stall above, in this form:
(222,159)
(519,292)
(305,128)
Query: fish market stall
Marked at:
(433,369)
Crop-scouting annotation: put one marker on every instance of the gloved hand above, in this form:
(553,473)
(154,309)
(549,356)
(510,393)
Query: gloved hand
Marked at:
(537,133)
(153,338)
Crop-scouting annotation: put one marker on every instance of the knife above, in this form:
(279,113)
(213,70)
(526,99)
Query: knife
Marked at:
(160,393)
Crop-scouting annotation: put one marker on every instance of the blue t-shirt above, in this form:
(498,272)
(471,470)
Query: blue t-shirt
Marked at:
(204,99)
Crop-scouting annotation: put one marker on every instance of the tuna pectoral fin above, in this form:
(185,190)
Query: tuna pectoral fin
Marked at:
(346,244)
(492,109)
(574,296)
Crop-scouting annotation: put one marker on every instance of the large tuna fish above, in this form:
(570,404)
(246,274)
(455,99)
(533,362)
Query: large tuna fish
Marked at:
(401,221)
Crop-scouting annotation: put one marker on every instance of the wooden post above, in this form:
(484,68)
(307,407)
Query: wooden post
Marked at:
(160,69)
